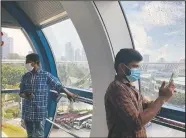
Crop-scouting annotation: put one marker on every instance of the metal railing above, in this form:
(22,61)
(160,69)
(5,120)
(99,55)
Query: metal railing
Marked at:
(65,130)
(163,118)
(78,99)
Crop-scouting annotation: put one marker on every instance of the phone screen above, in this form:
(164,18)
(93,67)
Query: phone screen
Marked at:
(171,78)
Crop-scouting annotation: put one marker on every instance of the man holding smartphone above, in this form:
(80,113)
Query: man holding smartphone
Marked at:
(127,111)
(34,88)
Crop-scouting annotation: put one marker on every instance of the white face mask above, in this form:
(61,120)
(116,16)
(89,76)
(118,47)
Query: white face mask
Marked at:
(29,67)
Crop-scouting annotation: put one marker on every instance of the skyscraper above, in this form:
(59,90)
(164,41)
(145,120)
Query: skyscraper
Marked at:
(77,55)
(69,51)
(7,47)
(83,55)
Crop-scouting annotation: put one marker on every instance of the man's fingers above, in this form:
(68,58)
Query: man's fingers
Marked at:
(171,83)
(162,85)
(171,86)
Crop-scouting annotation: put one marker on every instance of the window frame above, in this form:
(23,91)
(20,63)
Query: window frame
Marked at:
(29,40)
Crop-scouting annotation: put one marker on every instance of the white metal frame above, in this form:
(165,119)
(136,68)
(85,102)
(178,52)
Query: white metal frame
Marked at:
(102,29)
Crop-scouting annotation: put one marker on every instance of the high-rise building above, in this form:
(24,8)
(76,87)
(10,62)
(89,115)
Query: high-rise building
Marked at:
(77,55)
(145,58)
(83,55)
(69,51)
(7,47)
(10,44)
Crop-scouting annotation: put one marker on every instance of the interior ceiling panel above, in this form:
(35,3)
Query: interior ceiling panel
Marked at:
(7,20)
(41,11)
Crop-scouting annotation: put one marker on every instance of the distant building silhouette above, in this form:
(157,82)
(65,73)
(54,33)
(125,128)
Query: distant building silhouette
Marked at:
(69,51)
(77,55)
(7,48)
(83,55)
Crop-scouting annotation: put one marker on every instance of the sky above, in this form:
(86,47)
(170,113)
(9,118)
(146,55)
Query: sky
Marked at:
(158,29)
(61,33)
(20,42)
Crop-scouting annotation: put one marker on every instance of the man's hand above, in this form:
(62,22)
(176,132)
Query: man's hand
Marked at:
(29,96)
(71,96)
(166,92)
(26,95)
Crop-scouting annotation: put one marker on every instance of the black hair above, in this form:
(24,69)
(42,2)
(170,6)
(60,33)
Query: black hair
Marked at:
(126,56)
(33,57)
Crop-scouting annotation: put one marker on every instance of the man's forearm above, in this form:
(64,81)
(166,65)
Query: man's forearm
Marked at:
(149,113)
(150,103)
(64,90)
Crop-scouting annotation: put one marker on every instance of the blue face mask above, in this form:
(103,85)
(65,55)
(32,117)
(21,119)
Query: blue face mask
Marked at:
(134,76)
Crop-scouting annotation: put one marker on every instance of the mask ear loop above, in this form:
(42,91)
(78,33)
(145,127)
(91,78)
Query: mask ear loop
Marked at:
(124,71)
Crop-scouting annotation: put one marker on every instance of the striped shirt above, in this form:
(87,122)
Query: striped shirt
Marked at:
(39,83)
(123,103)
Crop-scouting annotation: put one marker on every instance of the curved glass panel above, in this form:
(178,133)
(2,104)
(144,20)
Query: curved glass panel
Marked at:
(158,31)
(71,61)
(73,70)
(14,50)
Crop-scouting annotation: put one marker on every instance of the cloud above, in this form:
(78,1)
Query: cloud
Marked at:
(172,33)
(163,51)
(156,54)
(141,40)
(159,13)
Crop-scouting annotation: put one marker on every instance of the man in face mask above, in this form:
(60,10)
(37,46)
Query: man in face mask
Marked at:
(127,111)
(34,88)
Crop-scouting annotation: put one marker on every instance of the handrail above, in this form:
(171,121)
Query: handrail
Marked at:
(79,98)
(169,123)
(62,128)
(172,122)
(168,117)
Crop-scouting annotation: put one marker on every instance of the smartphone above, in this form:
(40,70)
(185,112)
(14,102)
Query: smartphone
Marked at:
(171,78)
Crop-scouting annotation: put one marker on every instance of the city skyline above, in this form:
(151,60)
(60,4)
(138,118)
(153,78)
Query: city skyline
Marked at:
(9,33)
(76,56)
(8,46)
(153,35)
